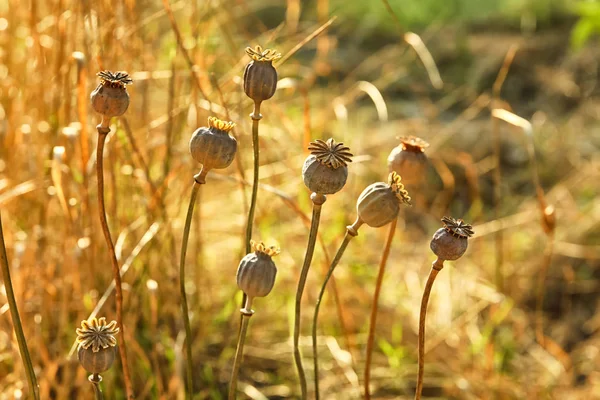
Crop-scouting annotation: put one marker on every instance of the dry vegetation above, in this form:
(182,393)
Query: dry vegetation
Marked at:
(363,87)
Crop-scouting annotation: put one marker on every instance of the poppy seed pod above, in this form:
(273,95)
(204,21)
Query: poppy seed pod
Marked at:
(256,272)
(326,169)
(409,159)
(451,241)
(213,146)
(260,76)
(379,203)
(97,342)
(110,98)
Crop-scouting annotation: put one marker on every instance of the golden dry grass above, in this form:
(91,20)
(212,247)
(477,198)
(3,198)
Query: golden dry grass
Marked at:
(481,342)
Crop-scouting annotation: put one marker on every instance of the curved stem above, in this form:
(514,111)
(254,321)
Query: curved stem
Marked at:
(246,313)
(96,379)
(184,304)
(350,233)
(436,267)
(318,201)
(375,307)
(102,134)
(14,313)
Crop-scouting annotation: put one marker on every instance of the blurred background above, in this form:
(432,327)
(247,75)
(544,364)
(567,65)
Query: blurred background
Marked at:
(515,318)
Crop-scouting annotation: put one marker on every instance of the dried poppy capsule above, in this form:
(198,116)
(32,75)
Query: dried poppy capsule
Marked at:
(260,76)
(409,159)
(450,242)
(97,342)
(213,147)
(256,272)
(380,202)
(326,169)
(110,98)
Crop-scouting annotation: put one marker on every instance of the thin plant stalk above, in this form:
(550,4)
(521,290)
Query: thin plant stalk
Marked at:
(375,306)
(246,313)
(351,232)
(541,289)
(436,267)
(95,379)
(102,134)
(256,117)
(318,200)
(184,304)
(14,313)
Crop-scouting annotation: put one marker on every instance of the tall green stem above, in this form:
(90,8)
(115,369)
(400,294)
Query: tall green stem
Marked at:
(184,304)
(14,313)
(351,232)
(246,313)
(318,200)
(437,266)
(375,307)
(103,131)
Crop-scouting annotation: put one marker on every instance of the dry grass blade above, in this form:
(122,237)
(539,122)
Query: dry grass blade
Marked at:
(310,37)
(417,44)
(150,233)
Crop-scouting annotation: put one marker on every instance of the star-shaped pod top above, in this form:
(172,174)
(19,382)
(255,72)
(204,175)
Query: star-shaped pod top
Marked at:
(97,334)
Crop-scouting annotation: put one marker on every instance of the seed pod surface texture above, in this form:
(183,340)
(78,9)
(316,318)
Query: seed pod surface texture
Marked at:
(213,146)
(377,205)
(110,98)
(260,76)
(257,271)
(96,362)
(325,170)
(451,241)
(409,160)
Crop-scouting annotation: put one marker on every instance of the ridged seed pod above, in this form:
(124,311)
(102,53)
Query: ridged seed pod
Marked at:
(213,146)
(326,169)
(110,98)
(257,271)
(409,159)
(96,339)
(379,203)
(451,241)
(260,76)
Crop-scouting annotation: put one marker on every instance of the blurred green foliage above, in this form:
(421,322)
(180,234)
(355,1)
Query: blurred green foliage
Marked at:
(420,14)
(588,24)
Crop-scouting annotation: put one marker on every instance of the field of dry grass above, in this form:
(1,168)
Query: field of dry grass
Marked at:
(488,334)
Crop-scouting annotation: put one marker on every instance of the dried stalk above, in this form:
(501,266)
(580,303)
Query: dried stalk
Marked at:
(375,307)
(102,134)
(184,304)
(318,200)
(436,267)
(18,327)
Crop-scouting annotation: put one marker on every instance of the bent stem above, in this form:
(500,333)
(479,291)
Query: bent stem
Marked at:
(103,131)
(246,313)
(436,267)
(351,232)
(318,200)
(96,379)
(14,313)
(184,304)
(375,306)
